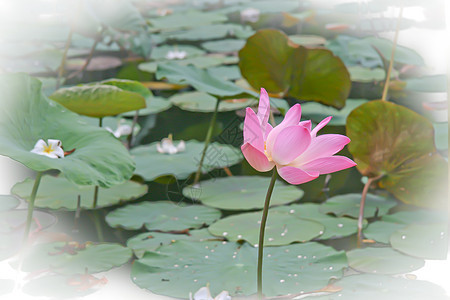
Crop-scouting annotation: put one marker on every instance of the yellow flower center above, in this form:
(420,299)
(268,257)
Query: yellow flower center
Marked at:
(48,149)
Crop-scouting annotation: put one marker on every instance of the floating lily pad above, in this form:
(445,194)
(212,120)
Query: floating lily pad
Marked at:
(375,287)
(382,261)
(381,231)
(349,204)
(210,32)
(58,192)
(162,215)
(241,192)
(151,164)
(420,240)
(226,45)
(418,216)
(8,202)
(162,51)
(271,60)
(29,116)
(203,102)
(61,286)
(232,267)
(200,62)
(396,142)
(364,74)
(427,84)
(281,229)
(127,85)
(308,40)
(150,241)
(72,258)
(14,220)
(186,20)
(317,112)
(334,227)
(225,72)
(154,105)
(200,80)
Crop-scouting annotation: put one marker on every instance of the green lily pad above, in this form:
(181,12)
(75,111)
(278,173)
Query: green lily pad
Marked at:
(271,60)
(99,100)
(60,286)
(308,40)
(154,105)
(210,32)
(98,158)
(14,220)
(200,62)
(281,229)
(317,112)
(59,193)
(8,202)
(364,74)
(226,45)
(375,287)
(76,259)
(127,85)
(241,192)
(6,286)
(349,204)
(429,241)
(382,261)
(162,51)
(162,215)
(334,227)
(200,80)
(381,231)
(187,19)
(427,84)
(232,267)
(203,102)
(151,241)
(150,164)
(394,141)
(419,216)
(225,72)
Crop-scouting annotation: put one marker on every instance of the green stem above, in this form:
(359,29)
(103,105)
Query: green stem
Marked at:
(94,204)
(64,58)
(207,141)
(100,122)
(26,233)
(262,231)
(361,208)
(98,226)
(391,62)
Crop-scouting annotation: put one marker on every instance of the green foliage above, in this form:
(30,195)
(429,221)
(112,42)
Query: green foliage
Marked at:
(99,159)
(164,216)
(231,266)
(269,59)
(241,192)
(59,193)
(394,142)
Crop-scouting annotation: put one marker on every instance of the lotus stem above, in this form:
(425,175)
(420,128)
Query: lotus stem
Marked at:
(26,233)
(361,207)
(133,125)
(64,58)
(207,141)
(391,62)
(262,231)
(98,226)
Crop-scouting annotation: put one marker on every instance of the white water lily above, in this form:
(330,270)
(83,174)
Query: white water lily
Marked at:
(52,149)
(250,15)
(121,130)
(204,294)
(167,146)
(176,54)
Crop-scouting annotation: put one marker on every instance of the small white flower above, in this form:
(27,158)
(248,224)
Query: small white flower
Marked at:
(50,149)
(123,129)
(204,294)
(167,146)
(176,54)
(250,15)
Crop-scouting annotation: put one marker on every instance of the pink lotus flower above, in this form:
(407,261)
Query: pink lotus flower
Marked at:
(299,155)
